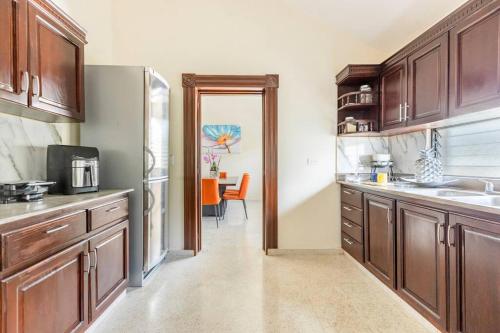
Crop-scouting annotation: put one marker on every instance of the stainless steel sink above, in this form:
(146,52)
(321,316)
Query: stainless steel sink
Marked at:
(483,201)
(458,193)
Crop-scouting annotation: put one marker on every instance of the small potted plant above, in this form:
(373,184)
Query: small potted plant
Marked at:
(214,161)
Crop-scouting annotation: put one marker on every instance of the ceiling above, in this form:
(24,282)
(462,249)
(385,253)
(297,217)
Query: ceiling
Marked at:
(386,25)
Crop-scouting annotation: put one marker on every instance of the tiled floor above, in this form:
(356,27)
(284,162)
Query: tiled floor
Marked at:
(233,287)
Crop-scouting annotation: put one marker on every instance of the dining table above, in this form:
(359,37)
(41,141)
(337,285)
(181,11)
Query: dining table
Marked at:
(223,184)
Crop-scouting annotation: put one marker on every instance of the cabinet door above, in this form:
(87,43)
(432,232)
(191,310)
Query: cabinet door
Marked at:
(56,65)
(51,296)
(393,96)
(428,83)
(474,275)
(475,62)
(421,263)
(109,268)
(14,78)
(380,238)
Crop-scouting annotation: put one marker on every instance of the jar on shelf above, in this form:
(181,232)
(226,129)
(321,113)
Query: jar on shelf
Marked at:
(366,96)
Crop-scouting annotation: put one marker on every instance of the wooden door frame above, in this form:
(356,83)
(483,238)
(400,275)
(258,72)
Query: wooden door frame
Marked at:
(193,87)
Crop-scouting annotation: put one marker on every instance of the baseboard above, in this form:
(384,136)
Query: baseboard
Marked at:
(407,307)
(280,252)
(106,313)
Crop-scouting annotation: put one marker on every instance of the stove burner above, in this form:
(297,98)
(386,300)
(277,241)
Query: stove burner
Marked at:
(23,191)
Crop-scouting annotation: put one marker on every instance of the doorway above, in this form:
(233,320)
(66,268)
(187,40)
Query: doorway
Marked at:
(194,86)
(231,156)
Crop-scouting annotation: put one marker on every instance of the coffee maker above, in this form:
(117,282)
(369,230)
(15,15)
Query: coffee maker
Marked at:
(75,169)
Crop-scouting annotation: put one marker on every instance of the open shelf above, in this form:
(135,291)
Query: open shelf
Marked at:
(356,106)
(358,101)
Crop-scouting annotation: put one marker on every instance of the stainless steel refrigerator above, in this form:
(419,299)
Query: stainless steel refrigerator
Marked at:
(127,119)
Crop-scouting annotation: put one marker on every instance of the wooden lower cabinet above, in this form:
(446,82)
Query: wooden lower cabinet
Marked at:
(109,268)
(474,275)
(421,261)
(444,264)
(379,238)
(67,291)
(49,297)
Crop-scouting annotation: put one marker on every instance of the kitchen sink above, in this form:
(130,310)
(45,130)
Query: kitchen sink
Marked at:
(482,201)
(457,193)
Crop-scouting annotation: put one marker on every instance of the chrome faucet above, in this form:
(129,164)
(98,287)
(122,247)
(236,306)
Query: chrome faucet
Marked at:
(489,187)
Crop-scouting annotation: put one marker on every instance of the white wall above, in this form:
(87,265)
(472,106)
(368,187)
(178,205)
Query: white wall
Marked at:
(96,18)
(254,37)
(245,111)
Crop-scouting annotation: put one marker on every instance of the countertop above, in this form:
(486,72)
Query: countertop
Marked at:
(426,194)
(20,210)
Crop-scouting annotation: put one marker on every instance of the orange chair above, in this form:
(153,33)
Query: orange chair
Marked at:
(223,174)
(210,195)
(240,194)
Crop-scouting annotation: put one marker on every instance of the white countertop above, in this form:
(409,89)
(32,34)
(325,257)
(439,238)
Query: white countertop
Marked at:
(429,194)
(20,210)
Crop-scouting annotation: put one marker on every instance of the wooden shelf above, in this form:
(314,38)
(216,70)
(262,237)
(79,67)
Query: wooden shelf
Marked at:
(361,134)
(356,106)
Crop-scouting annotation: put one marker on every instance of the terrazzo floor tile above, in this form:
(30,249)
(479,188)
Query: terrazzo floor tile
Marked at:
(231,286)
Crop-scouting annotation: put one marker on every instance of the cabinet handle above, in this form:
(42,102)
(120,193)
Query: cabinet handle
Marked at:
(94,256)
(347,224)
(448,234)
(440,226)
(389,219)
(25,83)
(36,85)
(347,192)
(347,208)
(348,242)
(87,268)
(56,229)
(400,113)
(113,209)
(407,106)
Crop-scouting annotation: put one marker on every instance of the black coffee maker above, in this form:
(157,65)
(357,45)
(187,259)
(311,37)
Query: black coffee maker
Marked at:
(75,169)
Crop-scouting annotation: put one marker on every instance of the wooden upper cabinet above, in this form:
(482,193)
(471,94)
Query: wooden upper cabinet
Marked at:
(475,62)
(379,238)
(393,95)
(109,268)
(14,78)
(56,65)
(428,83)
(51,296)
(421,263)
(474,275)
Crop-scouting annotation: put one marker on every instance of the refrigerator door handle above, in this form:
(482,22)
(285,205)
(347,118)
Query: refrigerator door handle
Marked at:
(153,199)
(153,165)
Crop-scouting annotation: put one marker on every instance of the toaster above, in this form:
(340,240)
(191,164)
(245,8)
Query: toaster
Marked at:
(74,169)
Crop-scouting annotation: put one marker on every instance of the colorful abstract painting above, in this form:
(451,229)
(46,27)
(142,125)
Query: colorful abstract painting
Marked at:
(222,139)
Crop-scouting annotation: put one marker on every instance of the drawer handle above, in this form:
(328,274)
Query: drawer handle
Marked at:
(347,192)
(56,229)
(348,225)
(348,209)
(113,209)
(348,241)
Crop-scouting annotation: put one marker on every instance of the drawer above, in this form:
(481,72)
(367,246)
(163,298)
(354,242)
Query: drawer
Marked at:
(352,229)
(352,197)
(352,213)
(111,212)
(352,247)
(22,244)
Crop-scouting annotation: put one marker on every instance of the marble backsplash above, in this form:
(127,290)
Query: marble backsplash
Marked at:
(23,146)
(350,150)
(467,150)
